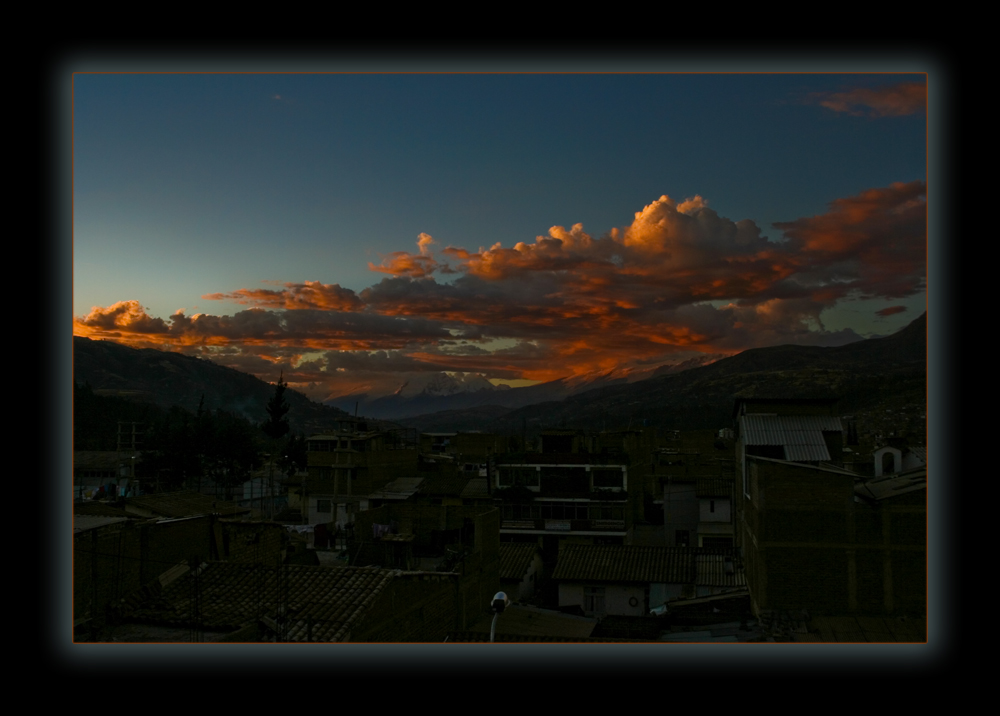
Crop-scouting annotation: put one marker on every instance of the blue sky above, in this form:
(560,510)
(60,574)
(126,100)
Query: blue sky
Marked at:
(226,185)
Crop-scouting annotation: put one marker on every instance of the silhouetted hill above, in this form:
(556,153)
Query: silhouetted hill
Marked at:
(888,371)
(168,379)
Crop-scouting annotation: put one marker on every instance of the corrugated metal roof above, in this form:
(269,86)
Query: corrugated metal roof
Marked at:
(889,486)
(800,435)
(82,523)
(712,570)
(400,487)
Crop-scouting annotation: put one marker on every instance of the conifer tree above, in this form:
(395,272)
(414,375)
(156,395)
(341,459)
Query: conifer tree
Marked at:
(276,427)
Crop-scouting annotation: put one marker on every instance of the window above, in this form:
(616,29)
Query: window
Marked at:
(607,478)
(711,505)
(682,538)
(593,600)
(323,506)
(526,476)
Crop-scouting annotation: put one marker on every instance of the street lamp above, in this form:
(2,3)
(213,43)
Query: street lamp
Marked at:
(500,602)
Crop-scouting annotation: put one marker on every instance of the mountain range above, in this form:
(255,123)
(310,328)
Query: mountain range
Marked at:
(869,376)
(168,379)
(440,392)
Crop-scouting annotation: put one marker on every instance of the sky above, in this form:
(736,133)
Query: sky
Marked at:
(352,232)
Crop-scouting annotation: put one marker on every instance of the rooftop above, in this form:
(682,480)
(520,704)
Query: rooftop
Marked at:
(515,558)
(800,435)
(702,566)
(183,504)
(886,486)
(323,603)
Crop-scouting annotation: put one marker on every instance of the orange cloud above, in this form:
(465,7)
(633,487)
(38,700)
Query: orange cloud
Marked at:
(567,303)
(873,243)
(295,296)
(893,101)
(890,311)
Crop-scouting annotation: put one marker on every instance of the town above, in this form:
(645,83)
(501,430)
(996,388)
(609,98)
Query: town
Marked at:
(788,523)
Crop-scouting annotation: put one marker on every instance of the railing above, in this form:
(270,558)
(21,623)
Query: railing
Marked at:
(551,525)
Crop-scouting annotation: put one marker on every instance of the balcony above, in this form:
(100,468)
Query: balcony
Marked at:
(564,525)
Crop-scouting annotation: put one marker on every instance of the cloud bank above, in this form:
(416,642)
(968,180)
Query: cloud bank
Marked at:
(679,279)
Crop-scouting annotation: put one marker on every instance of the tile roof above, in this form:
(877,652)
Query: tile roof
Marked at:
(184,504)
(625,563)
(323,603)
(515,558)
(702,566)
(800,435)
(717,569)
(476,487)
(714,487)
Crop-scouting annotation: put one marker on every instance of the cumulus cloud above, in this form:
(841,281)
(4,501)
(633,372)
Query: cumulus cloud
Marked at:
(890,101)
(678,279)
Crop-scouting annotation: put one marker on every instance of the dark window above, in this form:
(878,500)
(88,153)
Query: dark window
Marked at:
(323,506)
(682,538)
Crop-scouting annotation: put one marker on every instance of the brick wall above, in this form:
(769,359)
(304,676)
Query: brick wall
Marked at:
(807,543)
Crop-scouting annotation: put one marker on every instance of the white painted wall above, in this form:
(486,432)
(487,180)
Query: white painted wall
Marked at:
(723,510)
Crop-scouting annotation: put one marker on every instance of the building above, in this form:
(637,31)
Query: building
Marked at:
(819,538)
(346,465)
(521,569)
(549,498)
(696,489)
(247,603)
(464,540)
(630,580)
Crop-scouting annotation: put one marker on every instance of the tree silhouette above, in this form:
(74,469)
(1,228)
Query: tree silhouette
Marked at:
(276,427)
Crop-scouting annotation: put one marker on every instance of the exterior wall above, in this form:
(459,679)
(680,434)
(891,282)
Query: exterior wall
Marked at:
(680,511)
(808,543)
(617,598)
(896,460)
(660,593)
(723,510)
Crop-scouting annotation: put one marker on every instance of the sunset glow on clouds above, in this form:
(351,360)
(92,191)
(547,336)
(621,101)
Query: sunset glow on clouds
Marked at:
(892,101)
(680,278)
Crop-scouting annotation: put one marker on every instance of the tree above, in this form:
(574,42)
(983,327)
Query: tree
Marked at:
(276,427)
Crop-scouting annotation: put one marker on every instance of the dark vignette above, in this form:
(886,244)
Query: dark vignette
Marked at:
(56,67)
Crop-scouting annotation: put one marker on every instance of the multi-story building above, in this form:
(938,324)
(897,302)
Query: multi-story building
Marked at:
(348,464)
(814,535)
(563,494)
